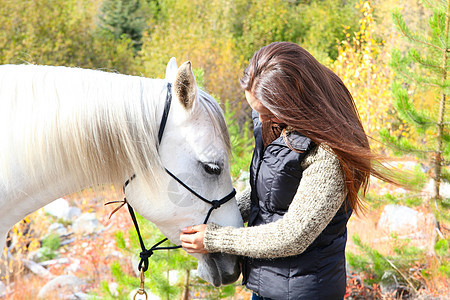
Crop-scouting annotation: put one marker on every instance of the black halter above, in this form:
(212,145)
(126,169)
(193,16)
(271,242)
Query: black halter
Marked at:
(147,253)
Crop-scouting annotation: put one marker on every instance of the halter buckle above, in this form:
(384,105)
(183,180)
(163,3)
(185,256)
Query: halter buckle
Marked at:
(141,293)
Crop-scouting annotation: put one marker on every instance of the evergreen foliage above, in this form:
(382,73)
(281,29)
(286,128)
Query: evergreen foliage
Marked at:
(388,270)
(241,142)
(50,244)
(121,18)
(322,25)
(162,268)
(53,32)
(422,77)
(442,249)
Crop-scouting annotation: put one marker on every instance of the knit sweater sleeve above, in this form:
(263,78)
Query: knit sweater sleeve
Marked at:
(319,196)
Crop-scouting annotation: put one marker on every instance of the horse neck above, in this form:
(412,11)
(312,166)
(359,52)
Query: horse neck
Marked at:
(86,128)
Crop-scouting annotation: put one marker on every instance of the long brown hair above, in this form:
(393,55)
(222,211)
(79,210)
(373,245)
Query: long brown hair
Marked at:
(313,100)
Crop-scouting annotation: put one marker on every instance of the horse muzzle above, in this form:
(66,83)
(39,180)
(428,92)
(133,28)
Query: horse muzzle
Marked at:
(219,268)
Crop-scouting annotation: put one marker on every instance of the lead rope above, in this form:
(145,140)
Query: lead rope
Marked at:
(145,254)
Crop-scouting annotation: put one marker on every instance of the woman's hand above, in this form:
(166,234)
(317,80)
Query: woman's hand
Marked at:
(192,238)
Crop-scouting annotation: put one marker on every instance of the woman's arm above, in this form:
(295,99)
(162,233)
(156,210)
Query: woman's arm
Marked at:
(319,196)
(192,237)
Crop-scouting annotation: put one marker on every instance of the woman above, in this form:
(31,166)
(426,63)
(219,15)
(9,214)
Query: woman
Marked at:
(311,158)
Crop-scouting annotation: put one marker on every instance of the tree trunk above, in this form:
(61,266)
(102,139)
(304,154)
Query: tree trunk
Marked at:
(186,286)
(440,122)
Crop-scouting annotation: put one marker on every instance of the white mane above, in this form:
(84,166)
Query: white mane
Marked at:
(100,125)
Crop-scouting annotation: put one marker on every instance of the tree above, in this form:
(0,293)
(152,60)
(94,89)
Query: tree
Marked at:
(54,32)
(322,23)
(316,25)
(169,273)
(421,92)
(267,21)
(199,31)
(122,18)
(362,65)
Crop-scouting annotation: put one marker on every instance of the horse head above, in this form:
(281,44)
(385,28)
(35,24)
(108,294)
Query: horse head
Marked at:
(195,147)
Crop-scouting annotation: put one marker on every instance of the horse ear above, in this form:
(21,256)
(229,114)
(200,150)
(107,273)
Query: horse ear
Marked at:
(185,86)
(171,69)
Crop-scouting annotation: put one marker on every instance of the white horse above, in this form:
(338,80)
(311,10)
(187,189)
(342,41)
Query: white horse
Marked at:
(64,129)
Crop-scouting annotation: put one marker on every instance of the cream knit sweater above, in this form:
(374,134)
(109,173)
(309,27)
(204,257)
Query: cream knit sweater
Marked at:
(319,196)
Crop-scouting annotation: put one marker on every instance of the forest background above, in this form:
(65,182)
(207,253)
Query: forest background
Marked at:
(354,38)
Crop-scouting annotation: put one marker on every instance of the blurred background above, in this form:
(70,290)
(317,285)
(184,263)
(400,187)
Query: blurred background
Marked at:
(392,55)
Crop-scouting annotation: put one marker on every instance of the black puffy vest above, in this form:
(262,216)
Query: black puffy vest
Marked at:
(318,272)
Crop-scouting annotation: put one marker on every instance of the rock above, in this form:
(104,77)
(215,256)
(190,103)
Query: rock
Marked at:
(74,267)
(66,285)
(243,181)
(35,255)
(57,208)
(113,288)
(407,223)
(73,212)
(58,228)
(58,261)
(2,289)
(79,296)
(398,219)
(391,288)
(174,276)
(37,268)
(388,283)
(60,209)
(68,241)
(86,223)
(444,189)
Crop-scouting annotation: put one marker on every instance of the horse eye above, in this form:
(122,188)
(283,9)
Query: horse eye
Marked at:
(212,169)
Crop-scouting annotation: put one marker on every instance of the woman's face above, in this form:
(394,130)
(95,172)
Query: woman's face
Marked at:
(264,113)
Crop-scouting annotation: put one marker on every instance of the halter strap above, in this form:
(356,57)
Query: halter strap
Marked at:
(166,111)
(147,253)
(214,203)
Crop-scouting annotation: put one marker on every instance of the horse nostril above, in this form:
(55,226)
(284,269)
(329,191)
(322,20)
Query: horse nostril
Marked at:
(228,267)
(230,278)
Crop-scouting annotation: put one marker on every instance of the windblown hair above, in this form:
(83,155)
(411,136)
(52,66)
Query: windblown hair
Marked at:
(313,100)
(98,127)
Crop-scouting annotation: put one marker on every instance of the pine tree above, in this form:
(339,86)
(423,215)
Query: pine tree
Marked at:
(159,279)
(421,93)
(122,18)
